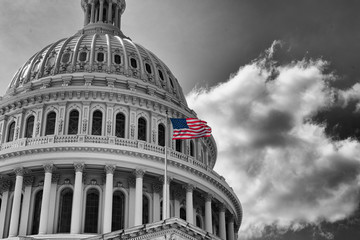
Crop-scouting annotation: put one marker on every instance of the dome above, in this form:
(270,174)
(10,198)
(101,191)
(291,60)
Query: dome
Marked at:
(85,135)
(91,52)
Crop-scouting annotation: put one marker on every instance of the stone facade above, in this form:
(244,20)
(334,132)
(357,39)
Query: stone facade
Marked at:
(83,128)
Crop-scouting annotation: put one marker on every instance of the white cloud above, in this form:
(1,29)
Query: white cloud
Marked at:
(282,166)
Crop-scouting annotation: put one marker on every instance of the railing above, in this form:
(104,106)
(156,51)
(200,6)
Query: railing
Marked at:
(55,139)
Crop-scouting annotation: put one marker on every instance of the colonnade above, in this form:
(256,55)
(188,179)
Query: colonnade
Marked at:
(95,13)
(226,229)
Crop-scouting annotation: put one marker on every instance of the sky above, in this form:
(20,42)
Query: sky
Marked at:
(278,82)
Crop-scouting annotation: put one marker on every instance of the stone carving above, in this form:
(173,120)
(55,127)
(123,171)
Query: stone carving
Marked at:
(48,168)
(19,171)
(110,169)
(79,167)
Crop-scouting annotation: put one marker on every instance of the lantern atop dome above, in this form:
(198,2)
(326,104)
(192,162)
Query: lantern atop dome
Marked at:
(103,13)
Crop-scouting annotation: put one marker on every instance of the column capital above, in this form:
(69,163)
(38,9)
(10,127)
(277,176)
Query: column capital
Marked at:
(139,173)
(48,168)
(79,167)
(222,207)
(208,197)
(19,171)
(28,180)
(110,169)
(161,179)
(188,187)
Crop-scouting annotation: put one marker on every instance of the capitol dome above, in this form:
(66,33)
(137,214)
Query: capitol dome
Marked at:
(83,135)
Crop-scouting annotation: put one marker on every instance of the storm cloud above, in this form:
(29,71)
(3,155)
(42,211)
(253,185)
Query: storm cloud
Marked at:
(282,165)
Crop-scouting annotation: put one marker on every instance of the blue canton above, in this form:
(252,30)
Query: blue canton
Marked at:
(179,123)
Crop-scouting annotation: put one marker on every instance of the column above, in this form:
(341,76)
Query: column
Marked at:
(166,209)
(108,198)
(177,197)
(139,196)
(77,199)
(110,12)
(131,223)
(156,202)
(222,225)
(54,183)
(101,11)
(92,16)
(15,212)
(189,203)
(230,229)
(45,199)
(28,181)
(4,188)
(86,19)
(208,215)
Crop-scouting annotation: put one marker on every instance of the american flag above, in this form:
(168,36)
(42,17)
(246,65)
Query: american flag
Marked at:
(185,128)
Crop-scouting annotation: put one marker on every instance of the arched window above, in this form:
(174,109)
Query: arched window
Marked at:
(192,153)
(161,135)
(29,127)
(65,208)
(117,59)
(142,129)
(161,75)
(50,123)
(73,122)
(92,211)
(178,145)
(82,56)
(100,57)
(183,213)
(145,216)
(120,125)
(96,123)
(118,211)
(198,221)
(133,62)
(11,132)
(37,211)
(148,68)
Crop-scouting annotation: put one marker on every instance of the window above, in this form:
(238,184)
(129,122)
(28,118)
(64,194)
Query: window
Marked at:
(100,57)
(50,123)
(182,213)
(11,132)
(65,208)
(120,125)
(178,145)
(148,68)
(145,216)
(161,75)
(133,62)
(117,59)
(82,56)
(29,127)
(161,135)
(92,211)
(97,123)
(37,210)
(65,57)
(142,129)
(73,122)
(192,153)
(118,211)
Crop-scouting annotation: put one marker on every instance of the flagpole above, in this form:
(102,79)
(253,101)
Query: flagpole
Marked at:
(165,193)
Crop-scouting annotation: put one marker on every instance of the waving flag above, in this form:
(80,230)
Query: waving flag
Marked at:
(185,128)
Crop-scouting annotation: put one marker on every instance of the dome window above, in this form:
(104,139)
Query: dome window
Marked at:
(100,56)
(120,125)
(133,62)
(65,57)
(97,123)
(117,59)
(161,135)
(142,129)
(148,68)
(161,75)
(29,127)
(11,132)
(73,122)
(178,145)
(92,211)
(50,123)
(82,56)
(171,83)
(192,152)
(65,208)
(118,213)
